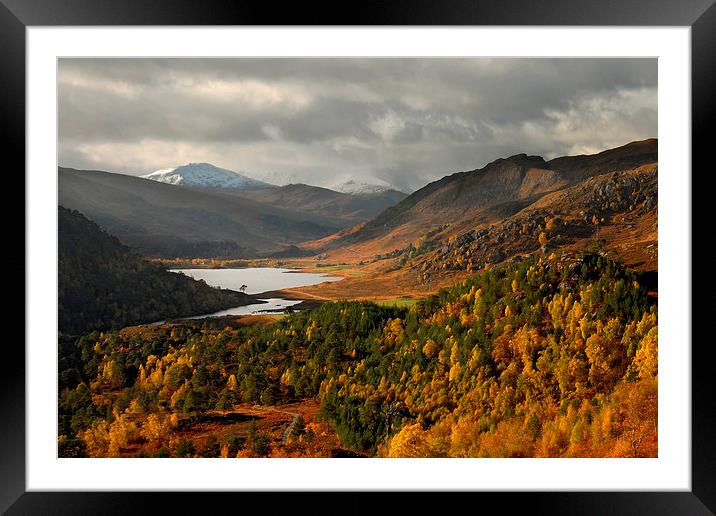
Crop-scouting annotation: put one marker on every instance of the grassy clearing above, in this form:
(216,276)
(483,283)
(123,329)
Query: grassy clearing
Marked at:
(259,319)
(275,317)
(344,269)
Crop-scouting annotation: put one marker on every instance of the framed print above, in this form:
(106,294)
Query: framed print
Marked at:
(413,250)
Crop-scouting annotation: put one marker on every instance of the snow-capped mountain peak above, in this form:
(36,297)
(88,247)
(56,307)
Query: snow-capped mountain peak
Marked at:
(204,175)
(358,187)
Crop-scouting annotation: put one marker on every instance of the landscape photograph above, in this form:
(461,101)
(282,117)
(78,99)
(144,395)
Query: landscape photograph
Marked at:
(357,258)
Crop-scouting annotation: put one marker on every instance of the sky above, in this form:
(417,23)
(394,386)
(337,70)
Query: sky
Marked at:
(322,121)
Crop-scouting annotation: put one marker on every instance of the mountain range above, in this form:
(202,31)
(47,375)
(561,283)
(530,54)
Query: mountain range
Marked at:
(512,207)
(502,188)
(191,218)
(206,175)
(456,224)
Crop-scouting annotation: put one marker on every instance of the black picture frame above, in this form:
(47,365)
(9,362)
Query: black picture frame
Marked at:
(700,15)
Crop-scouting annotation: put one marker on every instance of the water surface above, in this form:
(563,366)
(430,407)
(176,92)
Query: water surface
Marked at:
(256,280)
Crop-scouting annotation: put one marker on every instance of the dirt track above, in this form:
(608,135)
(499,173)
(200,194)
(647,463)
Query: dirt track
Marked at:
(289,428)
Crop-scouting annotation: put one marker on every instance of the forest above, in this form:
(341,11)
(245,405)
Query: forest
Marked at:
(544,357)
(103,285)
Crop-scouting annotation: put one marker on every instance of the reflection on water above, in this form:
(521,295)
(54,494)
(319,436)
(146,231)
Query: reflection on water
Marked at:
(255,281)
(273,305)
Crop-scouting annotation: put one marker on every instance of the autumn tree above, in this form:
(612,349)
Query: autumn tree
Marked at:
(646,359)
(412,441)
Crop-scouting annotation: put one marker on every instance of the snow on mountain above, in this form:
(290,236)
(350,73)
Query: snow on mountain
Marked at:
(204,175)
(345,184)
(207,175)
(358,187)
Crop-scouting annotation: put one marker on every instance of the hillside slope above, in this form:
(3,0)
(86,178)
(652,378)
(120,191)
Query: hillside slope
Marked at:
(102,285)
(615,211)
(343,208)
(465,200)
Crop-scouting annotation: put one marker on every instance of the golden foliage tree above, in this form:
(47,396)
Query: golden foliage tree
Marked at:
(412,441)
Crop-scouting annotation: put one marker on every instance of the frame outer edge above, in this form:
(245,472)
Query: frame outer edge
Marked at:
(12,138)
(368,12)
(12,110)
(703,411)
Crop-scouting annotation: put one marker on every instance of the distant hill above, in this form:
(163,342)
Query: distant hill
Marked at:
(363,187)
(103,285)
(204,175)
(349,202)
(345,209)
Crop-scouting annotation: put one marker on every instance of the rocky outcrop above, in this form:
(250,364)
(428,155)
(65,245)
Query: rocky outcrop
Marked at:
(573,214)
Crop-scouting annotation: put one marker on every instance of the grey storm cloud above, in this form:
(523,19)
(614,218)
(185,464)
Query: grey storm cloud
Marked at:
(405,121)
